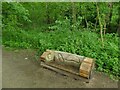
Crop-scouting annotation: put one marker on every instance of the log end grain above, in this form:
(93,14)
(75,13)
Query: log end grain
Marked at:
(86,67)
(47,56)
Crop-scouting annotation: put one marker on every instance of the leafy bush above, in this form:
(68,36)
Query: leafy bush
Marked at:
(84,43)
(14,14)
(61,25)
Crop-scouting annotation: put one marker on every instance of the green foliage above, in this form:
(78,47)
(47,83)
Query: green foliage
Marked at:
(61,25)
(51,28)
(84,43)
(13,14)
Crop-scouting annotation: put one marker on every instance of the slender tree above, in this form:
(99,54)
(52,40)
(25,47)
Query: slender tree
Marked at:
(100,24)
(109,15)
(73,14)
(47,13)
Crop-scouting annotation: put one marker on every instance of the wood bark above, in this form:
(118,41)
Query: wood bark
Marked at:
(67,58)
(109,16)
(65,72)
(75,64)
(100,24)
(104,27)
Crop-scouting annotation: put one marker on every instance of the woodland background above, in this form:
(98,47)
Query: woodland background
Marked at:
(87,29)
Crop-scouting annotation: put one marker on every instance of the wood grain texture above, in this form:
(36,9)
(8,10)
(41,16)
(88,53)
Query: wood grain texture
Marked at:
(72,63)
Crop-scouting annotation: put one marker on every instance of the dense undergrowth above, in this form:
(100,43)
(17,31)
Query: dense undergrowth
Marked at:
(71,27)
(80,42)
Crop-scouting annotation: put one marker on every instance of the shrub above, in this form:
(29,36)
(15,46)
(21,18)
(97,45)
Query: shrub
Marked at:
(84,43)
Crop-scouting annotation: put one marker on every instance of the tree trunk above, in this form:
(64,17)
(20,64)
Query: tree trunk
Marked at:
(118,30)
(73,14)
(47,14)
(96,24)
(111,9)
(104,27)
(86,22)
(109,16)
(100,24)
